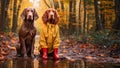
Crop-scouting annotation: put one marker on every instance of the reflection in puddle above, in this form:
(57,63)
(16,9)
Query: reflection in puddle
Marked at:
(35,63)
(22,63)
(29,63)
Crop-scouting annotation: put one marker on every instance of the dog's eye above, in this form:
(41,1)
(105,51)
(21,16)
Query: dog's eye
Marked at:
(31,10)
(53,11)
(27,10)
(48,10)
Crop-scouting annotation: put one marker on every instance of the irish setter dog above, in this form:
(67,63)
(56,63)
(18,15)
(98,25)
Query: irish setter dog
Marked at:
(27,33)
(49,35)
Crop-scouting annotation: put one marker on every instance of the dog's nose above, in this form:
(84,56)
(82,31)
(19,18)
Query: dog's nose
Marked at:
(51,15)
(29,15)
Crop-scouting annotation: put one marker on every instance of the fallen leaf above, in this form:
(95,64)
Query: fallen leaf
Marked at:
(101,55)
(13,41)
(6,42)
(63,47)
(67,57)
(88,57)
(64,51)
(74,51)
(67,41)
(60,54)
(13,48)
(2,57)
(72,60)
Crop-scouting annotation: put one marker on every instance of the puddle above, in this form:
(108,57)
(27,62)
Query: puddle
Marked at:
(34,63)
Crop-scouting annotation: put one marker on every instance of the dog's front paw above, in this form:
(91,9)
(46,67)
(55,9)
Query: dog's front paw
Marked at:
(25,56)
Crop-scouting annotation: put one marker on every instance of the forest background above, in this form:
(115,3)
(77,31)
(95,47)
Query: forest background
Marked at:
(89,21)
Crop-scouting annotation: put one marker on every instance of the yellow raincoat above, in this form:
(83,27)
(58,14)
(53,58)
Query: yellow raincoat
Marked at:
(49,37)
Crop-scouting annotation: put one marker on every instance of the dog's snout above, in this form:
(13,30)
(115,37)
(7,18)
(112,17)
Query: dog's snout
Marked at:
(52,13)
(30,14)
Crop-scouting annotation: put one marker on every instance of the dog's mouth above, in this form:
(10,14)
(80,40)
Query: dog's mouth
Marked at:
(29,19)
(51,20)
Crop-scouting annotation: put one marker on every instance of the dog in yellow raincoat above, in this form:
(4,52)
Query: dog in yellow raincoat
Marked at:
(49,34)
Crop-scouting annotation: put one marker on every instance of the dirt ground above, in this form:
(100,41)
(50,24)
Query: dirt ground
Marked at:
(69,49)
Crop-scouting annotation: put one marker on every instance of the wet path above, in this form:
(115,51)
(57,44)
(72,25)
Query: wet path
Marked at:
(29,63)
(37,40)
(62,63)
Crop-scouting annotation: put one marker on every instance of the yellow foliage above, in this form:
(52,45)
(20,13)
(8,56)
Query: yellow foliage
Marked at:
(63,7)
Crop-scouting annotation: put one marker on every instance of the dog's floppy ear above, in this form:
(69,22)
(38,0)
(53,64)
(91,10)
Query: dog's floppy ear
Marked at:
(45,17)
(56,17)
(35,15)
(23,14)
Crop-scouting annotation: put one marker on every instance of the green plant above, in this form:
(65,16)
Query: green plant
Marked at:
(104,38)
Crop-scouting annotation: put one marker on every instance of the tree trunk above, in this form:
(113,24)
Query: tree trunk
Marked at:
(84,23)
(56,4)
(52,3)
(98,25)
(14,24)
(77,12)
(2,17)
(116,25)
(72,17)
(0,14)
(47,4)
(0,9)
(4,21)
(116,28)
(15,15)
(88,18)
(102,18)
(59,4)
(74,30)
(79,15)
